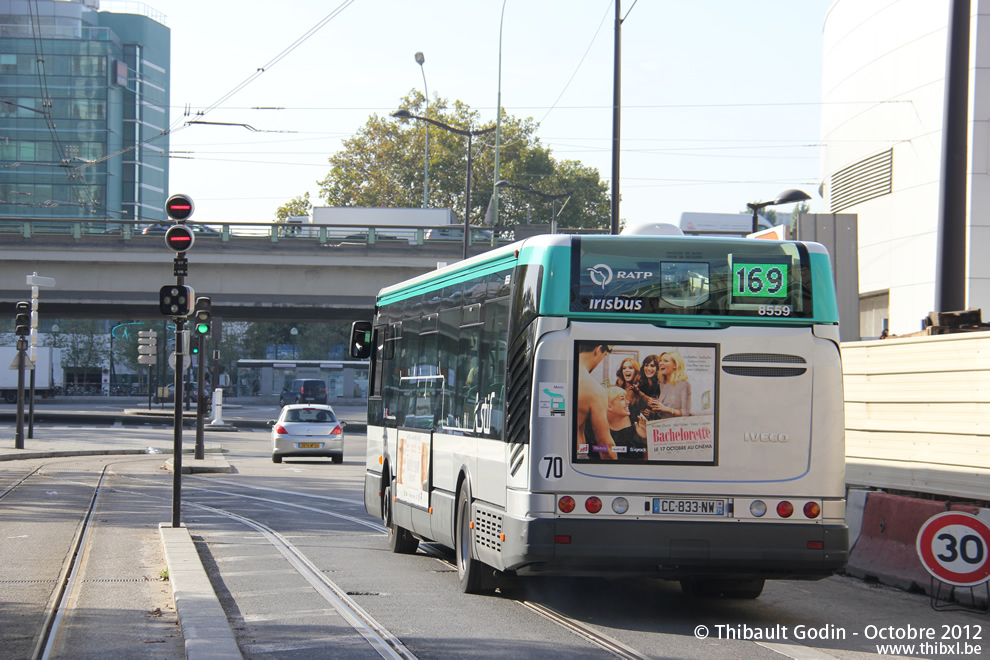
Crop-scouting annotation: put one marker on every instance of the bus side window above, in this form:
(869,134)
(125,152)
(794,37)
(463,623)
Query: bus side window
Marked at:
(494,353)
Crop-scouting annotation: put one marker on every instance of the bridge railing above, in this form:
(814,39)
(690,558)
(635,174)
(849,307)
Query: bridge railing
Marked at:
(274,232)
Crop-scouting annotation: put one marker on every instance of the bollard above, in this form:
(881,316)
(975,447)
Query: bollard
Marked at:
(217,408)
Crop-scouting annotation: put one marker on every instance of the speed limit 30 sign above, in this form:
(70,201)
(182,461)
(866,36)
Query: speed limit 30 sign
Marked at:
(954,547)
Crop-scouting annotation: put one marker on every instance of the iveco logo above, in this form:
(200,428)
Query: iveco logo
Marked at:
(600,274)
(766,437)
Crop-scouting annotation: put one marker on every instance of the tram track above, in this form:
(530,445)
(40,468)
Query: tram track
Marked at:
(73,563)
(386,644)
(57,605)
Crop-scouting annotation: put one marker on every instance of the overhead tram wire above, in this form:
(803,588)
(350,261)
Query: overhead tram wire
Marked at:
(202,113)
(46,99)
(580,63)
(298,42)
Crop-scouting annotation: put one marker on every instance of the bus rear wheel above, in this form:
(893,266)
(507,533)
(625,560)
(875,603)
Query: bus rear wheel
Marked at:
(469,569)
(400,540)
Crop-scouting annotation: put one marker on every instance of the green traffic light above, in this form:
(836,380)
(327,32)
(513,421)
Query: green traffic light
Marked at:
(202,328)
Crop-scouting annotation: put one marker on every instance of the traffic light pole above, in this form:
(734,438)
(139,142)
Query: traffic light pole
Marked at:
(200,398)
(177,425)
(31,406)
(178,238)
(180,270)
(21,359)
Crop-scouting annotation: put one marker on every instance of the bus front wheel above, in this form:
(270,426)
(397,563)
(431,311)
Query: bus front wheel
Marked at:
(400,540)
(469,569)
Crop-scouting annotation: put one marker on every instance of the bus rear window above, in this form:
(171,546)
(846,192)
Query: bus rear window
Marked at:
(734,277)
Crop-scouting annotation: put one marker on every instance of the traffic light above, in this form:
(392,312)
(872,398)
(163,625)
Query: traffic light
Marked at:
(176,300)
(147,347)
(202,317)
(22,319)
(179,207)
(179,238)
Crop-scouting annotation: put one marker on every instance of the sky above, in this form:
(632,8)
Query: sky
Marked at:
(720,98)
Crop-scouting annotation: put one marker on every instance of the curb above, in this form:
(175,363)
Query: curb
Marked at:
(214,463)
(62,453)
(205,629)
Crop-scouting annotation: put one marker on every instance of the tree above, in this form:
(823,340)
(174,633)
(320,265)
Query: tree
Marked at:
(312,341)
(295,208)
(382,165)
(85,346)
(802,207)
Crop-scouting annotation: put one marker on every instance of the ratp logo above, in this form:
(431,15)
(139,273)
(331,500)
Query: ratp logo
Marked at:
(600,274)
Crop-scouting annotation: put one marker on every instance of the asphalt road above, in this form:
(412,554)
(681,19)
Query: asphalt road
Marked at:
(317,506)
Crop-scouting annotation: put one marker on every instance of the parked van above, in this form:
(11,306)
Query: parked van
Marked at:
(303,391)
(721,224)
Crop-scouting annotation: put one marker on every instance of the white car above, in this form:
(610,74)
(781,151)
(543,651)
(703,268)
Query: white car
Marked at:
(307,429)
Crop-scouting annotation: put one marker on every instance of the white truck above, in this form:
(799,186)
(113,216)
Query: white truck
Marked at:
(45,375)
(354,221)
(721,224)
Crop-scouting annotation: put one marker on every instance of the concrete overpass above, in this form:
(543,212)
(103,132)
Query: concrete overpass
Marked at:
(114,272)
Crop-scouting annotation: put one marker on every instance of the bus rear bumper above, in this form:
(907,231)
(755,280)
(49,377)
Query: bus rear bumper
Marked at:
(674,549)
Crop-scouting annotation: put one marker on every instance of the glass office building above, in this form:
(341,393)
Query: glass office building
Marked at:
(84,100)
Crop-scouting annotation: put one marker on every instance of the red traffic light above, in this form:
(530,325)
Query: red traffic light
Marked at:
(179,238)
(179,207)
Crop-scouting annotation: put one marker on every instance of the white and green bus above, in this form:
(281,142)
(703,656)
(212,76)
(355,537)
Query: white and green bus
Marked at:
(665,406)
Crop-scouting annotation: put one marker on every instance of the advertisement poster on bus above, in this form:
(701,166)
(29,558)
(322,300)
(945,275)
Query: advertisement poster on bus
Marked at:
(646,403)
(412,481)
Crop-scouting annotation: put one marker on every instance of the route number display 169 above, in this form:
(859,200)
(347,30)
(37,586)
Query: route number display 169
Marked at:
(759,280)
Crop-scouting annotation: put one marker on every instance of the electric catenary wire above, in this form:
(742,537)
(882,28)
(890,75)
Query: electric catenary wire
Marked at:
(254,76)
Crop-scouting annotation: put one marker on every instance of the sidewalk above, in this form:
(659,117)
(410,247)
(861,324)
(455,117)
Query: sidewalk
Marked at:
(205,629)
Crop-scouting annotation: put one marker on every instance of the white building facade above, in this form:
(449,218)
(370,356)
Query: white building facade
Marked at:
(884,86)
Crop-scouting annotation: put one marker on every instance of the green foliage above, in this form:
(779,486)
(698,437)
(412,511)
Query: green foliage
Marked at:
(802,207)
(85,343)
(382,166)
(296,208)
(313,341)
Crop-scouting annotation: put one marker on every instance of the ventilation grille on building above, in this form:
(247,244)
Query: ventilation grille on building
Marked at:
(862,181)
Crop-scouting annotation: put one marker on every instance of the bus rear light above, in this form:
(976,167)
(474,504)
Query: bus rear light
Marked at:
(815,545)
(561,539)
(620,505)
(811,510)
(593,504)
(566,504)
(785,509)
(758,508)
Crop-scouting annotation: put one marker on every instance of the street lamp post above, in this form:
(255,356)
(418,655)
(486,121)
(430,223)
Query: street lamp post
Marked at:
(786,197)
(420,59)
(405,114)
(553,200)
